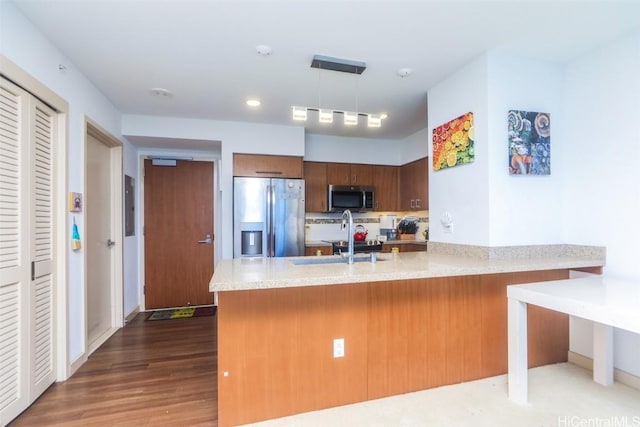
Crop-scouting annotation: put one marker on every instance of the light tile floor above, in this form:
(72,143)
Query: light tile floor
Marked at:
(562,395)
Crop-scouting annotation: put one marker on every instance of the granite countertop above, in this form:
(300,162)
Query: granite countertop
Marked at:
(439,261)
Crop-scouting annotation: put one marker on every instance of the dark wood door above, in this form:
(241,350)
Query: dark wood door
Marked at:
(178,216)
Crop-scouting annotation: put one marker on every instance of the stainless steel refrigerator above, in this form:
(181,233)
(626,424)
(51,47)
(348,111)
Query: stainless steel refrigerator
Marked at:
(268,217)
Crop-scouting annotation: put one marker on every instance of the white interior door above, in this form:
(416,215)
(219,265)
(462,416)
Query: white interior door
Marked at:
(98,231)
(103,238)
(27,132)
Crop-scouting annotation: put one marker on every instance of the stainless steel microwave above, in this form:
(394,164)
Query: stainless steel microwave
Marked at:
(354,198)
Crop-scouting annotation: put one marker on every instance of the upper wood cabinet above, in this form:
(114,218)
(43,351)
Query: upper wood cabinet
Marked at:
(315,180)
(414,185)
(385,180)
(267,166)
(349,174)
(318,175)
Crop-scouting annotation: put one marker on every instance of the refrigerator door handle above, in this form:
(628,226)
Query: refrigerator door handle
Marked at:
(269,222)
(272,221)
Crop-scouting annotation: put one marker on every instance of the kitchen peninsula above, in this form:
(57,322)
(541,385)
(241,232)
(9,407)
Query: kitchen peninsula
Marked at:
(410,321)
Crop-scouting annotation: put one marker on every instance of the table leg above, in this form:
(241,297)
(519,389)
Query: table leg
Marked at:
(602,354)
(517,335)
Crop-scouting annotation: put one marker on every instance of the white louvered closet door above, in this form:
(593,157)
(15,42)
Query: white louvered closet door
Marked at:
(27,130)
(42,135)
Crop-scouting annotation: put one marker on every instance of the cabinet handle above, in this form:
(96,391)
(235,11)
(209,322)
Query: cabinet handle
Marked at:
(346,179)
(377,204)
(271,172)
(417,203)
(355,178)
(412,204)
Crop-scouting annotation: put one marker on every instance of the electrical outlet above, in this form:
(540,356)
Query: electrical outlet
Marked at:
(338,347)
(447,222)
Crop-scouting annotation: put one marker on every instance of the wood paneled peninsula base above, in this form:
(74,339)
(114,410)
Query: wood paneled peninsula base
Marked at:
(439,319)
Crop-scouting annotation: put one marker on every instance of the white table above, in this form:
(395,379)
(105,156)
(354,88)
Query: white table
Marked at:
(609,303)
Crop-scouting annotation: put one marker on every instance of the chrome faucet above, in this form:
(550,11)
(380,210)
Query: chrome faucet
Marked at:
(346,216)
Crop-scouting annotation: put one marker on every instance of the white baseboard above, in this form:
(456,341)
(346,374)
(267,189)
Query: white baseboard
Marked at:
(100,340)
(618,375)
(131,315)
(77,364)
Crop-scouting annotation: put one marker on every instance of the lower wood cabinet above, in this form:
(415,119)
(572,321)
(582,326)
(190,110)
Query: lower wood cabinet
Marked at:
(404,247)
(275,345)
(313,250)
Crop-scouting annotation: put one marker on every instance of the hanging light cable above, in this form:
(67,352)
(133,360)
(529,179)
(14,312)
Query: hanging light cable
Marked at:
(324,115)
(351,118)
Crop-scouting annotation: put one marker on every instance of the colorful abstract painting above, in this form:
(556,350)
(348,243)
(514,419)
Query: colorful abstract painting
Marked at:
(453,143)
(529,143)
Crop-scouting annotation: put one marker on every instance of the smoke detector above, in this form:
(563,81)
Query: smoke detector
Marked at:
(159,92)
(404,72)
(263,50)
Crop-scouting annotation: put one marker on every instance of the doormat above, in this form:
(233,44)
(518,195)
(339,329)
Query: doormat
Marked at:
(182,313)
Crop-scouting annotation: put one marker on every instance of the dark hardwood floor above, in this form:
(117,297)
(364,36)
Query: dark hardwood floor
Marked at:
(147,374)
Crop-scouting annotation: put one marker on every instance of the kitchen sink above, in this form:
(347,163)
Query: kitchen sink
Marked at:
(333,260)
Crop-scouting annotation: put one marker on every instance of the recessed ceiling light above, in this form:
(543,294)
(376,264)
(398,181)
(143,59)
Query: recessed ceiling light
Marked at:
(253,102)
(383,116)
(161,92)
(263,50)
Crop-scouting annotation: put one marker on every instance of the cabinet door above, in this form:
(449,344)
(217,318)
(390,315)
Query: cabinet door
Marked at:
(339,173)
(315,179)
(313,250)
(385,180)
(421,174)
(361,175)
(414,185)
(267,166)
(406,188)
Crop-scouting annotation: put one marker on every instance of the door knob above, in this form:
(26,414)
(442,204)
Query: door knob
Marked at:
(110,242)
(207,239)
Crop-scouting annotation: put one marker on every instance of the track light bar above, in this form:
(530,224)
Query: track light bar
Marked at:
(326,116)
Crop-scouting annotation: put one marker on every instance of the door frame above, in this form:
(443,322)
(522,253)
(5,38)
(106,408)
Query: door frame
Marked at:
(117,251)
(60,226)
(196,157)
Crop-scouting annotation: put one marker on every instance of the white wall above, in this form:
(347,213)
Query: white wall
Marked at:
(463,191)
(25,45)
(602,199)
(488,206)
(325,148)
(524,210)
(131,261)
(236,137)
(415,146)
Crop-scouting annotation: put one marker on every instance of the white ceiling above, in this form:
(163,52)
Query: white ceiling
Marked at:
(204,52)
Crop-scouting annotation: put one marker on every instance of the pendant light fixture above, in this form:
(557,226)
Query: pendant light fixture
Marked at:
(325,115)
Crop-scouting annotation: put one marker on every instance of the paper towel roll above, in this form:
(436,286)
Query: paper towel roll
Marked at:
(388,221)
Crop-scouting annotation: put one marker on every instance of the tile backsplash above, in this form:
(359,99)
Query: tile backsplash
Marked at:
(327,226)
